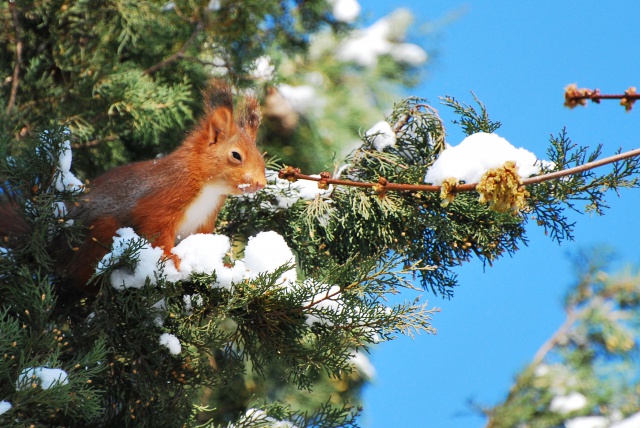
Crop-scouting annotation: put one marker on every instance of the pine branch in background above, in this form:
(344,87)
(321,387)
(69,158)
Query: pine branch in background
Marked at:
(126,77)
(574,97)
(586,374)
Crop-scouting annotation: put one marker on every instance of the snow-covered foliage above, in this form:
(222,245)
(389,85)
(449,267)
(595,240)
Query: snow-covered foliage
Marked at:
(259,417)
(302,98)
(199,253)
(362,363)
(171,342)
(205,253)
(568,403)
(41,376)
(587,422)
(192,301)
(382,135)
(632,421)
(477,154)
(146,266)
(266,252)
(65,180)
(286,193)
(384,37)
(263,69)
(325,300)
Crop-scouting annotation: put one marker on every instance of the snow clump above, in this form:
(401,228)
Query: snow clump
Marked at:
(171,342)
(263,70)
(266,252)
(146,267)
(301,99)
(382,135)
(477,154)
(632,421)
(587,422)
(564,404)
(46,377)
(65,179)
(345,10)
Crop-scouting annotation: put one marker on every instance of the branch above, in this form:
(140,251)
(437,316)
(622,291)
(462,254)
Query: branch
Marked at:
(574,97)
(151,70)
(572,317)
(93,143)
(15,81)
(382,186)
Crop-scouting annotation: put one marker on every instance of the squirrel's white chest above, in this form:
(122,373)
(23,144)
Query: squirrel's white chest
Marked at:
(201,209)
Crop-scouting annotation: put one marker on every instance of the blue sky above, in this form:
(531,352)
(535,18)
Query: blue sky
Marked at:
(517,57)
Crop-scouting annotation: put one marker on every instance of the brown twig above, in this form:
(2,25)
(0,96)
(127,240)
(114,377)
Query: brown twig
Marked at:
(151,70)
(93,143)
(15,82)
(292,174)
(574,97)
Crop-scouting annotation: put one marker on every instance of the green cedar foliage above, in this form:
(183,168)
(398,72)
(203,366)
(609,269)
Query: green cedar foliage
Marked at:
(125,76)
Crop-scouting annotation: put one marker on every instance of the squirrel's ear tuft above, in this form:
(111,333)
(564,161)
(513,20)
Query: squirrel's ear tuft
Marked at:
(250,116)
(218,94)
(219,122)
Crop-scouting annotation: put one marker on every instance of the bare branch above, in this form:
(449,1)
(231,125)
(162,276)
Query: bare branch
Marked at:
(151,70)
(574,97)
(15,80)
(292,174)
(93,143)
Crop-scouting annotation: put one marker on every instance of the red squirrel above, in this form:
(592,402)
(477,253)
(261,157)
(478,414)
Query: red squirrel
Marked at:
(168,199)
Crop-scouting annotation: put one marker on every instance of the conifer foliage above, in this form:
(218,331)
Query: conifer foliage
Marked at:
(586,373)
(266,323)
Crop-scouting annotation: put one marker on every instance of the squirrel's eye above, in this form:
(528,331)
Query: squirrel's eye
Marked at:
(236,156)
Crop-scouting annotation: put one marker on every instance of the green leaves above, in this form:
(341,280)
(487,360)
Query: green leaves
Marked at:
(549,199)
(471,121)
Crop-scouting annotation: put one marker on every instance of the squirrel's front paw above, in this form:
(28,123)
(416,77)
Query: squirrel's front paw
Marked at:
(174,258)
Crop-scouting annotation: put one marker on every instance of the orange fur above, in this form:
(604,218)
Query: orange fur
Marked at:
(158,198)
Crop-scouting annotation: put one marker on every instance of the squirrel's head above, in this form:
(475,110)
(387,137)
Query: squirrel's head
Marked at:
(227,141)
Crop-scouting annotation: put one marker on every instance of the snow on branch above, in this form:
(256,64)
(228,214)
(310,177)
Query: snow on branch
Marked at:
(382,186)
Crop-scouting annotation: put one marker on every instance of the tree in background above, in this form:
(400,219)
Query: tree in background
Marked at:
(586,374)
(266,323)
(125,77)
